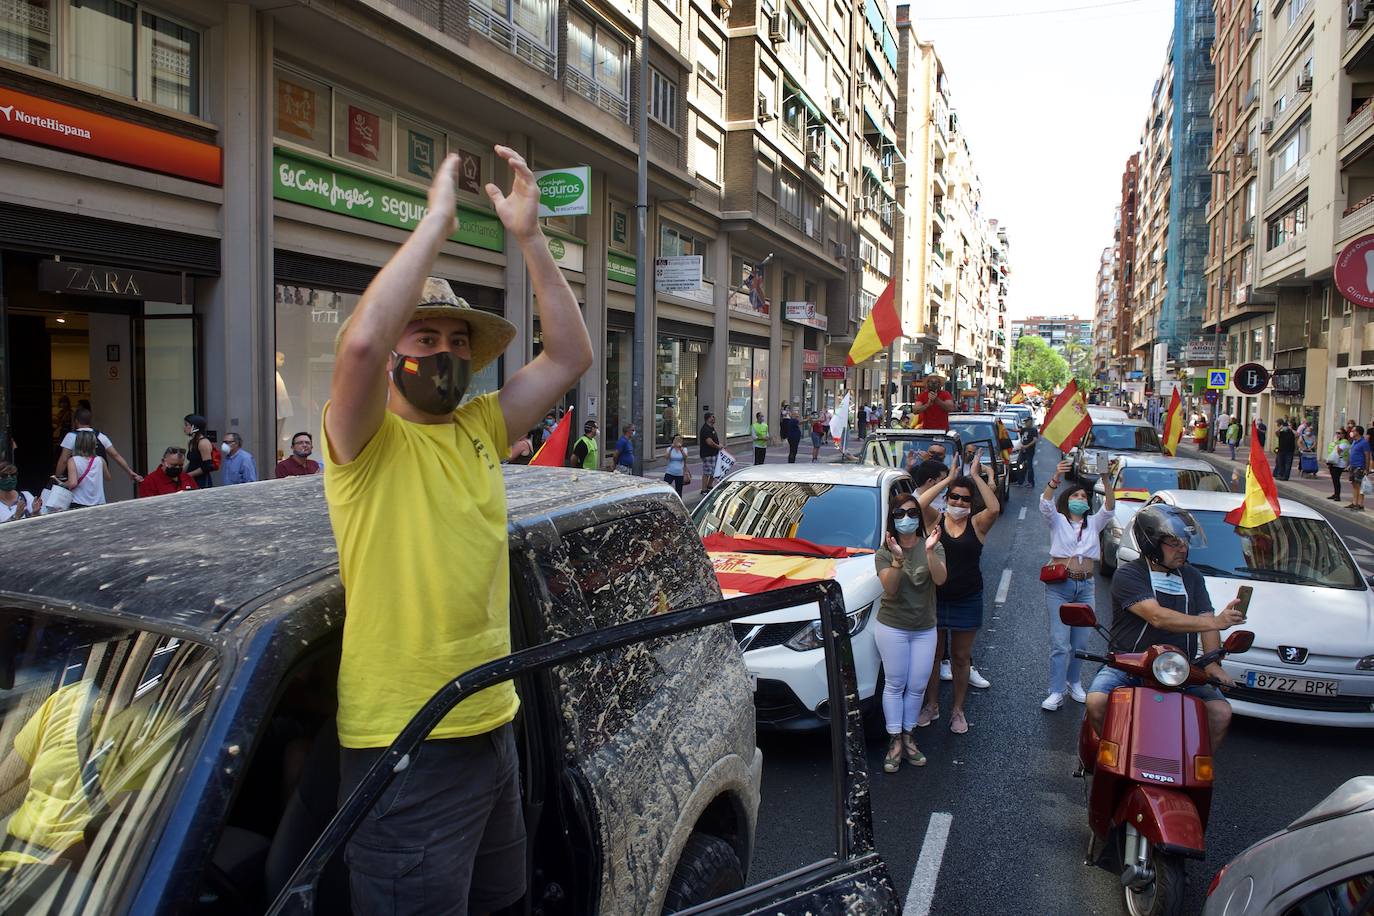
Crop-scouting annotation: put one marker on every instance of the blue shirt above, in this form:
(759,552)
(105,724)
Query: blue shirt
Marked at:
(1359,453)
(238,468)
(626,448)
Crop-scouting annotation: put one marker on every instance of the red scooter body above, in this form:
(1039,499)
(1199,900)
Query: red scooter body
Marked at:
(1159,777)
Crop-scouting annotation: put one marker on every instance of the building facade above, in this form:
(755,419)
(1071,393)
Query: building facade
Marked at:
(1061,332)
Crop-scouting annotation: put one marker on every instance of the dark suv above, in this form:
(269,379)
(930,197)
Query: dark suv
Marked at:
(167,691)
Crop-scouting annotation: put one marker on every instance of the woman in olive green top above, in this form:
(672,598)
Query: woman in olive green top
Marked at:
(910,565)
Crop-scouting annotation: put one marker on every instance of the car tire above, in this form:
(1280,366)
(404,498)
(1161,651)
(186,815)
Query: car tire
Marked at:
(708,868)
(1106,568)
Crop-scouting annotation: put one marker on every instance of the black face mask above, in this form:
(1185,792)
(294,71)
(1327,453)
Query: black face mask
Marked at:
(174,471)
(432,384)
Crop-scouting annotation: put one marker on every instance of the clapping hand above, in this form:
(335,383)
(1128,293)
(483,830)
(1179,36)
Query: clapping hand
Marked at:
(896,549)
(443,199)
(519,210)
(934,538)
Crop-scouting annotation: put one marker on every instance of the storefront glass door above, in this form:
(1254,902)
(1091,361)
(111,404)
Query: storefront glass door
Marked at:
(167,379)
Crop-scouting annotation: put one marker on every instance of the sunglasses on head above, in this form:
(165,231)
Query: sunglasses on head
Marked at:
(907,513)
(958,498)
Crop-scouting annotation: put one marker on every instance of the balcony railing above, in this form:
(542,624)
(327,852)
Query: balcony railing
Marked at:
(607,101)
(1357,217)
(513,39)
(1359,121)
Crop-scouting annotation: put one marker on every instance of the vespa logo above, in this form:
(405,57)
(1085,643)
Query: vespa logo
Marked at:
(1156,777)
(1292,655)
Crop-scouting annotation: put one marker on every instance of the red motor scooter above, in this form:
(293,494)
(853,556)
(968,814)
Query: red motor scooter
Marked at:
(1149,773)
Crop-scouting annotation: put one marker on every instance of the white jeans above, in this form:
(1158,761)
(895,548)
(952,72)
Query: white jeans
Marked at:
(907,658)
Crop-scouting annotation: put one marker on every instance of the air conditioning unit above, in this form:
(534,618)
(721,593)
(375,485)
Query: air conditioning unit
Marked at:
(1238,148)
(776,32)
(837,109)
(1355,14)
(1267,126)
(1305,82)
(764,113)
(857,263)
(814,146)
(841,250)
(887,173)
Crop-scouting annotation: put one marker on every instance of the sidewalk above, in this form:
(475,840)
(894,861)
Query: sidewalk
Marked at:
(1311,492)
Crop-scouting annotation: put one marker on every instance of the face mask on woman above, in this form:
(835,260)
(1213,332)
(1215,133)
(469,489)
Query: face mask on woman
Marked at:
(956,511)
(907,525)
(8,483)
(1079,507)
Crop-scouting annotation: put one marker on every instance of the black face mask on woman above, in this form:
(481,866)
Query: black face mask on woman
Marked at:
(433,384)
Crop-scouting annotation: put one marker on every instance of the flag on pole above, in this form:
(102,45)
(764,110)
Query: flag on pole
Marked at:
(552,453)
(1261,503)
(1018,398)
(1173,424)
(725,463)
(839,423)
(1067,421)
(882,326)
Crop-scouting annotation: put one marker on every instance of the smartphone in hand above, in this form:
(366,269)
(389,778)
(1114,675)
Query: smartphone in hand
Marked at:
(1243,595)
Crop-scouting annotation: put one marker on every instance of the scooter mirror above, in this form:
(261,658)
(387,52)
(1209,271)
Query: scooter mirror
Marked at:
(1077,615)
(1238,641)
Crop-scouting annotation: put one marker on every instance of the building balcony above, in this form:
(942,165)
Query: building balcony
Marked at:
(1357,127)
(1295,176)
(1358,16)
(1357,218)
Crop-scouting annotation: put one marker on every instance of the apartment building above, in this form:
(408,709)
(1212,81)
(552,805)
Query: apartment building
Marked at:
(1155,189)
(1126,363)
(1105,315)
(1059,331)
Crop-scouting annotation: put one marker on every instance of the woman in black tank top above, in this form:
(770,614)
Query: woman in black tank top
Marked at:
(971,508)
(200,460)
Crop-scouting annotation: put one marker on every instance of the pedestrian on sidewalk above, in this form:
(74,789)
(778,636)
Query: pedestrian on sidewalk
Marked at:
(167,477)
(1233,436)
(299,463)
(862,420)
(201,458)
(791,433)
(16,503)
(1075,548)
(708,447)
(1337,460)
(1307,451)
(237,465)
(817,437)
(417,503)
(911,564)
(1287,447)
(676,472)
(585,452)
(104,449)
(623,460)
(86,472)
(1358,457)
(1263,431)
(963,527)
(760,431)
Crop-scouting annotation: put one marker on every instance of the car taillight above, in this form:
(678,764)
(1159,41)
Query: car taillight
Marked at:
(1216,879)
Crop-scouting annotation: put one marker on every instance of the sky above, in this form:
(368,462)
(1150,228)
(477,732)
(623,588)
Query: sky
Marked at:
(1052,106)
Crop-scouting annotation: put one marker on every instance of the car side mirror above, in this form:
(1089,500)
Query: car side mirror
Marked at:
(1077,615)
(1369,578)
(1237,642)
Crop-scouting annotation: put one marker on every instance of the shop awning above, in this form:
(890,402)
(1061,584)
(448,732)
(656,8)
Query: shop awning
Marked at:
(805,100)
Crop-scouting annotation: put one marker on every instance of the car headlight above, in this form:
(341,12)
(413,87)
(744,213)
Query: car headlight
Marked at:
(809,637)
(1171,668)
(1365,664)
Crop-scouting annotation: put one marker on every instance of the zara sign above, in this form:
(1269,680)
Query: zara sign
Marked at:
(73,277)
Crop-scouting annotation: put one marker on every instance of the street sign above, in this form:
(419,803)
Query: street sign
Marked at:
(908,366)
(1219,379)
(678,274)
(1252,378)
(1353,276)
(1211,396)
(565,192)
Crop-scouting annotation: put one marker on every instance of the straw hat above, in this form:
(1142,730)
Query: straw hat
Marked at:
(489,334)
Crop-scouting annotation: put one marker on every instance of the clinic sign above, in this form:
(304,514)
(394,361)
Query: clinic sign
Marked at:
(805,313)
(1355,271)
(325,186)
(565,192)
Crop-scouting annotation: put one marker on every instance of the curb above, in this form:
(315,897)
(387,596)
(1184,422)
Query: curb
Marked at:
(1297,494)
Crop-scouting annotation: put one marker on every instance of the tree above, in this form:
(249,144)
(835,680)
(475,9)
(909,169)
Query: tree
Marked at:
(1080,360)
(1033,361)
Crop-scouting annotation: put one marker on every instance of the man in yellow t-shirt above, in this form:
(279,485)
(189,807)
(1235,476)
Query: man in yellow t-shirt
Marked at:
(418,505)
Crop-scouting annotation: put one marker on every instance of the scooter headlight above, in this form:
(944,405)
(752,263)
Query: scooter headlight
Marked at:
(1171,668)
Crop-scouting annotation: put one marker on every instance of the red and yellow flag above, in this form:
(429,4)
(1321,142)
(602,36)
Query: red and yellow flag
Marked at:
(1173,424)
(1018,398)
(1134,494)
(1067,421)
(1261,503)
(555,448)
(751,573)
(882,326)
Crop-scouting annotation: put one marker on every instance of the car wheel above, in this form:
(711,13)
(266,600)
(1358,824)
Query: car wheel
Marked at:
(1107,567)
(709,868)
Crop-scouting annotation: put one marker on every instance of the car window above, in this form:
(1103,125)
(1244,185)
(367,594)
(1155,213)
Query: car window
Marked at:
(94,723)
(1154,479)
(970,430)
(606,574)
(1350,897)
(1293,550)
(1123,437)
(823,513)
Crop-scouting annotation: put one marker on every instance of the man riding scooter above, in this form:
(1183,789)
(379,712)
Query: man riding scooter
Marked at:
(1160,600)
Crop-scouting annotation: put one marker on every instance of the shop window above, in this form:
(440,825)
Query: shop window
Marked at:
(302,111)
(27,33)
(362,132)
(108,43)
(619,350)
(622,228)
(746,387)
(663,99)
(676,410)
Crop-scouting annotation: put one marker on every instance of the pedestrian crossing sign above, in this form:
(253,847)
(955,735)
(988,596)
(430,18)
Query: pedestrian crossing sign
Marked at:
(1219,379)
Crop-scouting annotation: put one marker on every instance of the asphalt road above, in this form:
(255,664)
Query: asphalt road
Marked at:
(1016,822)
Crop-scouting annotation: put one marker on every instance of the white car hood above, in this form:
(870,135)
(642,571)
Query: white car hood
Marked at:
(1325,621)
(858,577)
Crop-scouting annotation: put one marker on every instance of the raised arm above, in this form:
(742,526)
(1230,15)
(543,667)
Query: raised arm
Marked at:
(358,389)
(567,351)
(983,521)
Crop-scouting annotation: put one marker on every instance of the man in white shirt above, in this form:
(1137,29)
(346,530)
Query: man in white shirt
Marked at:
(82,418)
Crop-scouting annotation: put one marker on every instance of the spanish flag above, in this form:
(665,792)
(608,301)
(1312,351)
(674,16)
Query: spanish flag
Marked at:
(882,326)
(1018,398)
(553,453)
(1261,503)
(1173,424)
(1067,421)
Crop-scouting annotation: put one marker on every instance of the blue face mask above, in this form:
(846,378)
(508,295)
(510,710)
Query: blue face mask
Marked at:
(1167,583)
(1079,506)
(907,525)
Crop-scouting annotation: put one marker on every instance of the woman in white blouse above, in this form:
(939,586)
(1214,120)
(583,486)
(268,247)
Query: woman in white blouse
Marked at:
(1074,542)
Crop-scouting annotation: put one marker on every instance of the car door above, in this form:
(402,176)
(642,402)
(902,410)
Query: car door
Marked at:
(854,878)
(878,451)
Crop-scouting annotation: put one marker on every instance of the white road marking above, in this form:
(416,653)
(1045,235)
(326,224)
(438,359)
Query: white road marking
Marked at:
(1003,588)
(922,893)
(1022,516)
